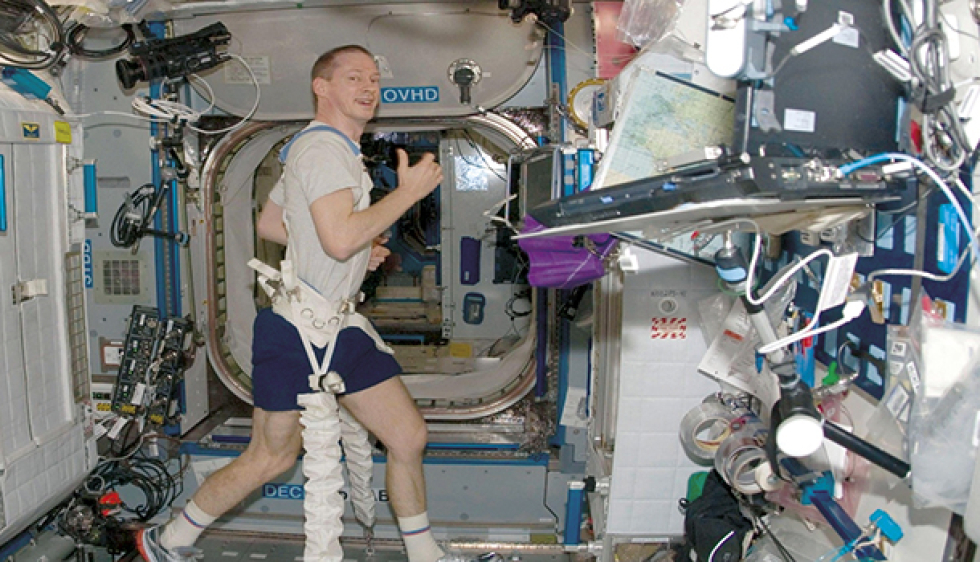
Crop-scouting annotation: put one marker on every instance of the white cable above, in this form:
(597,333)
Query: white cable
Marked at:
(919,273)
(176,113)
(251,112)
(965,191)
(774,285)
(851,311)
(960,213)
(165,111)
(965,222)
(757,249)
(818,39)
(120,114)
(711,557)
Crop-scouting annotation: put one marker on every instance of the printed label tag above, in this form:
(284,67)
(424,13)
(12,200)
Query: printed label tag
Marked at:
(800,121)
(914,377)
(897,401)
(948,239)
(837,280)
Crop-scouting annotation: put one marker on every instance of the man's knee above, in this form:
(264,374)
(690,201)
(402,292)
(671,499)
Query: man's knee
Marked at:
(281,463)
(411,443)
(269,463)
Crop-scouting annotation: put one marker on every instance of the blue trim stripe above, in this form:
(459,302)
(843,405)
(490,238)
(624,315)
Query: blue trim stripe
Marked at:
(3,198)
(284,153)
(192,522)
(416,531)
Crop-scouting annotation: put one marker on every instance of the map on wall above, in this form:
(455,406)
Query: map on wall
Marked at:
(662,117)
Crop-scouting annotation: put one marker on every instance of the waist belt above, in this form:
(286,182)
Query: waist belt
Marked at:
(317,319)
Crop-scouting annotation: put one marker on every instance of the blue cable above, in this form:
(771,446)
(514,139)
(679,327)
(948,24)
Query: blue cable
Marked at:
(848,168)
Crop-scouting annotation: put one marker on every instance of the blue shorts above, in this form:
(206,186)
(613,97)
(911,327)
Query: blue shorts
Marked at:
(281,370)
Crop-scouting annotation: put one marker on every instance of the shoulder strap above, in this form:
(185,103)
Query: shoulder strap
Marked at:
(284,153)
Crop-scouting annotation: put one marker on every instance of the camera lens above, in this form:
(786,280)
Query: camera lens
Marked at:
(129,73)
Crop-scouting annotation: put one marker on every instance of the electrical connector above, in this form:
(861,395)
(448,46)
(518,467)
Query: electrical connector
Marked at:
(896,168)
(894,64)
(853,308)
(876,302)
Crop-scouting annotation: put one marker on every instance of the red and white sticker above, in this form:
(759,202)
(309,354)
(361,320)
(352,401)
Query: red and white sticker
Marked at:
(668,329)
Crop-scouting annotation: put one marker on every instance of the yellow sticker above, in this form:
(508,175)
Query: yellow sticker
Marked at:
(62,132)
(460,349)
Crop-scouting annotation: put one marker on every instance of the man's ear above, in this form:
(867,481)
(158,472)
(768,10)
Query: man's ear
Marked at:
(319,86)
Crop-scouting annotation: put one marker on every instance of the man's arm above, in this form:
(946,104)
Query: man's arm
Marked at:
(343,231)
(270,226)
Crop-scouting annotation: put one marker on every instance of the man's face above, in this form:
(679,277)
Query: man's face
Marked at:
(352,89)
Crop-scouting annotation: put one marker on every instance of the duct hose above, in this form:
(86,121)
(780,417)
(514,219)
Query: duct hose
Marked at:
(323,505)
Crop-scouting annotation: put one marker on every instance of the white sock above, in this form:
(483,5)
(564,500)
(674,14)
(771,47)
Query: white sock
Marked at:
(419,542)
(184,530)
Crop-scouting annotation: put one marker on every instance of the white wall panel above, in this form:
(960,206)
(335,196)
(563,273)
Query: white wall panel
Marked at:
(15,433)
(659,383)
(40,225)
(44,451)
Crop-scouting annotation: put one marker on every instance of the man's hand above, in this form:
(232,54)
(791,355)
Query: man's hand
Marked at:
(378,252)
(421,178)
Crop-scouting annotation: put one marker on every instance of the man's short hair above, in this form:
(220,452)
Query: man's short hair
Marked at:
(325,64)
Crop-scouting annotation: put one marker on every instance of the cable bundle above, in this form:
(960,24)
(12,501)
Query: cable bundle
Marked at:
(178,114)
(148,475)
(14,15)
(926,48)
(132,216)
(75,40)
(98,513)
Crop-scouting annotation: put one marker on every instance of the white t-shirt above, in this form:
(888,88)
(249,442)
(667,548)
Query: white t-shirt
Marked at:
(320,163)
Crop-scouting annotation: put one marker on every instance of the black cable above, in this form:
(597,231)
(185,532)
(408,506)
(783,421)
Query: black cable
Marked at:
(782,549)
(126,444)
(158,486)
(75,40)
(509,307)
(479,151)
(133,216)
(897,216)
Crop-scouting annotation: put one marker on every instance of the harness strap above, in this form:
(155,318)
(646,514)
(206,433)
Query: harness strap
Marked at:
(284,153)
(316,319)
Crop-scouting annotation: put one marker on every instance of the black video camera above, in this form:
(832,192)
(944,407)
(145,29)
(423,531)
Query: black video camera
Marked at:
(175,57)
(549,12)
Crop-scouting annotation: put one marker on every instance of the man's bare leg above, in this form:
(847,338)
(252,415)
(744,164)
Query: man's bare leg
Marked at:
(273,449)
(275,444)
(388,411)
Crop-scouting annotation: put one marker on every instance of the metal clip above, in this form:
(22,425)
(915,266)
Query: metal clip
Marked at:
(348,306)
(369,542)
(332,382)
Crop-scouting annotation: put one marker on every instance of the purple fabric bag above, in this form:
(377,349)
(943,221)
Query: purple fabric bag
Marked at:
(565,262)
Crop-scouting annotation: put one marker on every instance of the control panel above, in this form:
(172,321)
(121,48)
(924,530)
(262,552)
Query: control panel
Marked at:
(151,367)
